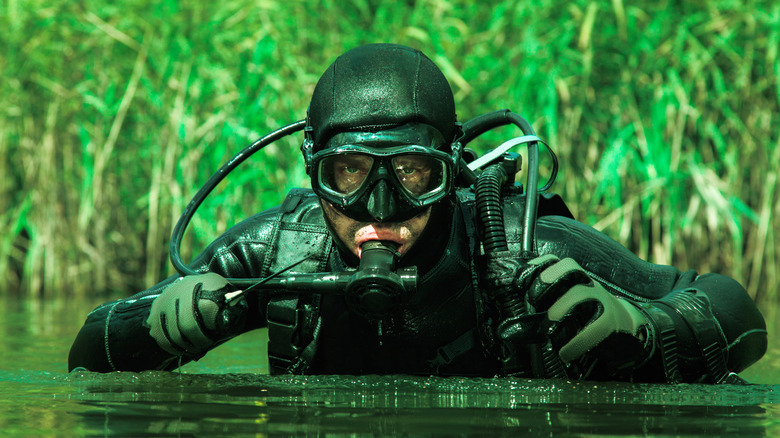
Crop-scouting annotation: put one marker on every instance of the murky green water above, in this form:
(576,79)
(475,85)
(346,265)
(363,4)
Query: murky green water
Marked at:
(228,394)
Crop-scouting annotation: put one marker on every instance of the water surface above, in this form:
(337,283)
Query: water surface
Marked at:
(229,393)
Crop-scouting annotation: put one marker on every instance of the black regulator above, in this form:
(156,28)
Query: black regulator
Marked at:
(378,288)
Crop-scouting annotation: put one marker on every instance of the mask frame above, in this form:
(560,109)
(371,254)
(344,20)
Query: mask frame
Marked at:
(381,183)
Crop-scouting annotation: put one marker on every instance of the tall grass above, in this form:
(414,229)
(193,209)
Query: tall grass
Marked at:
(664,115)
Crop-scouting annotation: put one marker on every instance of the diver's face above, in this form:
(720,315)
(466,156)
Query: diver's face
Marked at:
(354,234)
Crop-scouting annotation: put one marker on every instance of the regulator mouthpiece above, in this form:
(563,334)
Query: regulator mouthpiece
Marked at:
(377,290)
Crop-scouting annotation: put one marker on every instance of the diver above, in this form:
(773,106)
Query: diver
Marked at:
(402,259)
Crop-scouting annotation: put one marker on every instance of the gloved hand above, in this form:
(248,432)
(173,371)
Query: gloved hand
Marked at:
(507,278)
(588,324)
(191,315)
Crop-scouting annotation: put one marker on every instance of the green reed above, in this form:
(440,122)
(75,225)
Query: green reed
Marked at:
(664,116)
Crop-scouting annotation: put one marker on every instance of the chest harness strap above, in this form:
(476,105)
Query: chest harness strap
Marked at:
(293,319)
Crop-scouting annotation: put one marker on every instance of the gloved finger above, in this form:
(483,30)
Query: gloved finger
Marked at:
(175,320)
(212,281)
(524,329)
(534,268)
(586,339)
(587,304)
(198,324)
(163,318)
(159,323)
(190,328)
(554,281)
(613,316)
(173,327)
(210,304)
(544,260)
(563,330)
(178,329)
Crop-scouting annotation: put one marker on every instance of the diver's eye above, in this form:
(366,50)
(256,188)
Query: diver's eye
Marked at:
(345,173)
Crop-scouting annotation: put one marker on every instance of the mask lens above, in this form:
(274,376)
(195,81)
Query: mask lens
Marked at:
(345,174)
(420,175)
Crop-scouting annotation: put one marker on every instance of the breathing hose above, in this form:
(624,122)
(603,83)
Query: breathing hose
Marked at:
(489,194)
(490,210)
(544,360)
(216,178)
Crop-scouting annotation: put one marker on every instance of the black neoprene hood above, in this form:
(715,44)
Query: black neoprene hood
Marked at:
(378,86)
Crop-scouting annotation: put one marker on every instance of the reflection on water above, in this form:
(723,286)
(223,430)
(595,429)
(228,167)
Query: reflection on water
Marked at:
(133,404)
(39,398)
(397,405)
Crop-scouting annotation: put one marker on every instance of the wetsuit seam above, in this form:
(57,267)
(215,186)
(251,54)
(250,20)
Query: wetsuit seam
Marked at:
(106,333)
(619,289)
(229,248)
(743,335)
(99,308)
(106,336)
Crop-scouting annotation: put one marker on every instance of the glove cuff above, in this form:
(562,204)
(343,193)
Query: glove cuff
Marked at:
(689,312)
(664,342)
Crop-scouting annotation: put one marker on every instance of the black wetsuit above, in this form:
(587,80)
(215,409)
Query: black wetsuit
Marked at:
(446,327)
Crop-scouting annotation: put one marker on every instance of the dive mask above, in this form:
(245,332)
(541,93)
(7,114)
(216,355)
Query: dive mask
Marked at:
(382,176)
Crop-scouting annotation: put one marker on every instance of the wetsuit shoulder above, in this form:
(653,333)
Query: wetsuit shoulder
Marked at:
(604,259)
(115,336)
(244,249)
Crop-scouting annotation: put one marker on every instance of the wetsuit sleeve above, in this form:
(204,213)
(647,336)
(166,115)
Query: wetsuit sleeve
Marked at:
(743,325)
(115,336)
(705,330)
(705,326)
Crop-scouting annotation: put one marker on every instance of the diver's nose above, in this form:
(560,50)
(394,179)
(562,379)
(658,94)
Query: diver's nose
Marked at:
(381,205)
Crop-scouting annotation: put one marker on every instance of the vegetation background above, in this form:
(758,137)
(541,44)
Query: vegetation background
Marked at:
(665,116)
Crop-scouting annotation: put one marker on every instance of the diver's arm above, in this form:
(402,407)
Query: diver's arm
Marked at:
(700,328)
(116,335)
(131,334)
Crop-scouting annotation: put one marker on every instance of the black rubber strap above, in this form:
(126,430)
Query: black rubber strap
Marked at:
(284,321)
(462,344)
(694,308)
(665,340)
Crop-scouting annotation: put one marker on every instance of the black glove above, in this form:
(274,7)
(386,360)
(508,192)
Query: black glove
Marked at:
(587,324)
(520,331)
(507,277)
(191,315)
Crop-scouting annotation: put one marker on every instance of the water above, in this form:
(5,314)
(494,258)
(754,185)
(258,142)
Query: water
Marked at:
(230,393)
